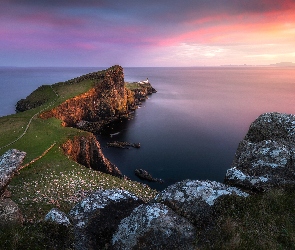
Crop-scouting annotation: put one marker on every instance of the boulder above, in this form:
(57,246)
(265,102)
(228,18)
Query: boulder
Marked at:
(273,126)
(96,217)
(264,159)
(145,175)
(10,163)
(9,212)
(58,217)
(194,199)
(154,227)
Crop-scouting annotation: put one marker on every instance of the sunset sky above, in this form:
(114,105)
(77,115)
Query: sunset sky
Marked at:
(146,33)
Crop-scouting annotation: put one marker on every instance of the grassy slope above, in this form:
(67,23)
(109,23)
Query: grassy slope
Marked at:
(54,180)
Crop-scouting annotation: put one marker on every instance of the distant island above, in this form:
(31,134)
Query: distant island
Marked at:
(283,64)
(280,64)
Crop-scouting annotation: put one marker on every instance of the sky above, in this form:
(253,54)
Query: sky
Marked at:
(139,33)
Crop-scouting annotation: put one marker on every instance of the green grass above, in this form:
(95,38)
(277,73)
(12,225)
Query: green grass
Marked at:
(261,221)
(54,180)
(135,85)
(38,236)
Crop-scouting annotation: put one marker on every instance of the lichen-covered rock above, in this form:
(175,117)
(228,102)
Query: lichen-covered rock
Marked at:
(96,217)
(9,212)
(10,163)
(194,199)
(273,126)
(259,166)
(265,158)
(154,227)
(58,217)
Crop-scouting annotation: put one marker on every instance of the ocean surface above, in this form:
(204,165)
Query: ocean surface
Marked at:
(190,128)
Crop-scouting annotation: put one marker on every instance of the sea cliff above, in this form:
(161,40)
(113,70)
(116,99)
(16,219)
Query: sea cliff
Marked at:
(108,99)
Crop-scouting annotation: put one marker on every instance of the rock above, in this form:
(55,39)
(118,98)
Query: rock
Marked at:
(10,163)
(96,218)
(87,151)
(265,158)
(194,199)
(123,144)
(107,101)
(273,126)
(154,227)
(260,166)
(9,212)
(58,217)
(143,174)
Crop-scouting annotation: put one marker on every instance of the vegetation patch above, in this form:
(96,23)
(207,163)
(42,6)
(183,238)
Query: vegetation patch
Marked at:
(261,221)
(136,85)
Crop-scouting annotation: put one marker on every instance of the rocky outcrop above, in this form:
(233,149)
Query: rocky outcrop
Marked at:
(142,91)
(144,175)
(265,158)
(194,199)
(58,217)
(97,217)
(87,151)
(10,163)
(107,101)
(154,227)
(123,144)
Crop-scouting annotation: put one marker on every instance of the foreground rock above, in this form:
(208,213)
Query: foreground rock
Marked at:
(58,217)
(154,227)
(194,199)
(97,217)
(144,175)
(9,212)
(10,163)
(265,158)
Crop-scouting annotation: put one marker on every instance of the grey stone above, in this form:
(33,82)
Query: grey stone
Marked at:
(273,126)
(9,212)
(10,163)
(154,226)
(265,158)
(194,199)
(58,217)
(96,217)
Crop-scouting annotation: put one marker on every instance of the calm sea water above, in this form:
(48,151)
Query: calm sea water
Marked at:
(190,128)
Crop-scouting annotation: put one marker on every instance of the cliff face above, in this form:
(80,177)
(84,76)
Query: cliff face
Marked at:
(87,151)
(107,101)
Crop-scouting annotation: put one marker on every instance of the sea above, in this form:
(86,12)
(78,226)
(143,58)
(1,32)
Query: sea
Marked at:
(190,128)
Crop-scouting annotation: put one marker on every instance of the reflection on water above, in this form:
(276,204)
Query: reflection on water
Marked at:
(192,126)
